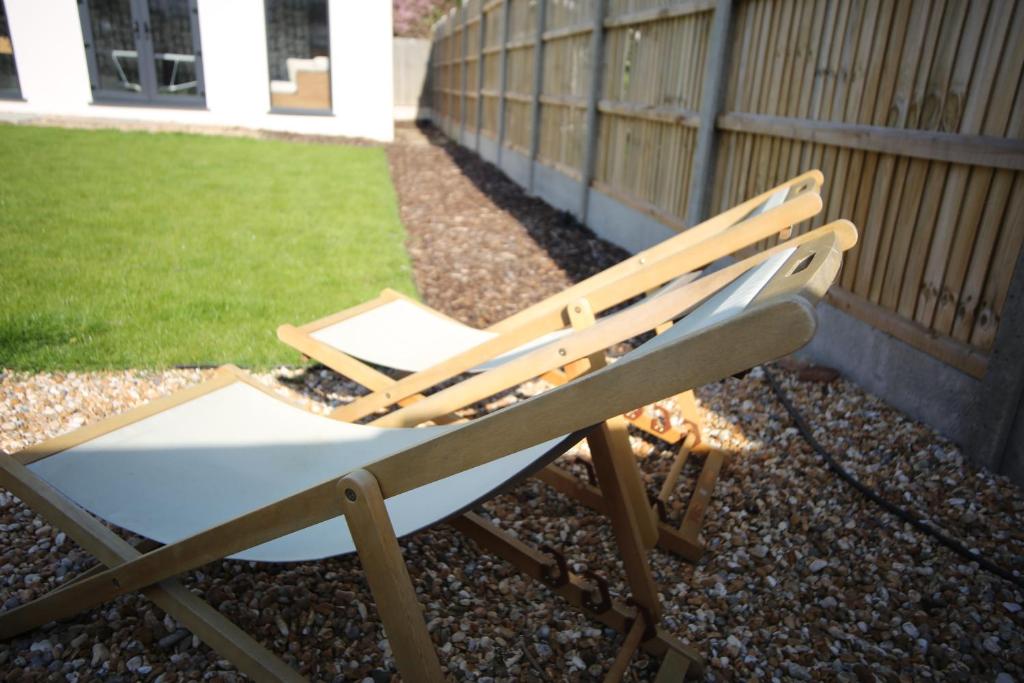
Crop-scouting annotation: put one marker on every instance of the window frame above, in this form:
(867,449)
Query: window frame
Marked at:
(302,111)
(149,96)
(15,92)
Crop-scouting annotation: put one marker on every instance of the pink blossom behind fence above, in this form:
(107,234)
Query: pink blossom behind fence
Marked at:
(413,18)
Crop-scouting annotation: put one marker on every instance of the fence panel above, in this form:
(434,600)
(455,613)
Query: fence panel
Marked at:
(920,75)
(913,109)
(651,96)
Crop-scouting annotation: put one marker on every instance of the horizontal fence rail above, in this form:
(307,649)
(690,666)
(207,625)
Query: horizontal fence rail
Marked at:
(914,110)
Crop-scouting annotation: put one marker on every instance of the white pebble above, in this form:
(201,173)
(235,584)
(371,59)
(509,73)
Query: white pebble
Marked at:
(797,671)
(100,653)
(41,646)
(818,565)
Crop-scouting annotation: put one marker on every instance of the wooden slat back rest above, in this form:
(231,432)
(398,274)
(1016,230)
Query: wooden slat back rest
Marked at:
(809,182)
(637,319)
(550,314)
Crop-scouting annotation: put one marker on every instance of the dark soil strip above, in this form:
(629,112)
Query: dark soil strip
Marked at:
(481,248)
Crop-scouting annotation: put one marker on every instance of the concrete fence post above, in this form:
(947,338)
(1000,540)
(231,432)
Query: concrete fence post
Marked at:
(538,84)
(702,177)
(480,77)
(503,86)
(996,438)
(593,97)
(464,11)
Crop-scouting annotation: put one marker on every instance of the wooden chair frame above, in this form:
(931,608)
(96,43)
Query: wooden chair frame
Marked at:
(720,236)
(683,540)
(779,321)
(725,234)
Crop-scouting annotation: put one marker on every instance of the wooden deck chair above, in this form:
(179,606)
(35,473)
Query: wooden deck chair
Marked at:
(398,332)
(227,469)
(683,539)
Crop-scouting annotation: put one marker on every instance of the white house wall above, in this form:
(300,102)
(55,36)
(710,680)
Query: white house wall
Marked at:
(54,77)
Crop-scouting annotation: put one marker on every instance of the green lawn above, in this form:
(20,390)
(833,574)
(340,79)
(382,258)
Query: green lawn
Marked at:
(138,250)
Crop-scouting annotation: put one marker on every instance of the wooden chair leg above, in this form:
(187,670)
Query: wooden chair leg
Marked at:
(216,630)
(576,590)
(693,519)
(672,478)
(614,443)
(612,470)
(626,652)
(388,576)
(669,538)
(675,667)
(683,540)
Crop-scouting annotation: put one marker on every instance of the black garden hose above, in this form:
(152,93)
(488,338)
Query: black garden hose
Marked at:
(903,514)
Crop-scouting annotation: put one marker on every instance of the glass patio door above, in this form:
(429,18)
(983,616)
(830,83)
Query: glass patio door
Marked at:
(143,50)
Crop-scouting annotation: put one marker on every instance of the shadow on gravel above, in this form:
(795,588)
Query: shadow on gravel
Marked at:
(570,244)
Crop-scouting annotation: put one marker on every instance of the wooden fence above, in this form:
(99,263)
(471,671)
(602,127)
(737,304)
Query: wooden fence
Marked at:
(411,62)
(914,110)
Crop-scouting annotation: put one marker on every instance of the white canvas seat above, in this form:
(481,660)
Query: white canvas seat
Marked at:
(237,449)
(381,336)
(410,337)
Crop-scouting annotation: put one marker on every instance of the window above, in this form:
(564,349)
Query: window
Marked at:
(299,49)
(143,50)
(8,70)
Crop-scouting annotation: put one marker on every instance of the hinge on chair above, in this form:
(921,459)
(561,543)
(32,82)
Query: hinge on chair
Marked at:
(659,506)
(650,627)
(603,603)
(548,575)
(659,424)
(691,427)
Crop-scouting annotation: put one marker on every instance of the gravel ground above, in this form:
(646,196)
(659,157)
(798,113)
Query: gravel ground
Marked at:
(803,579)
